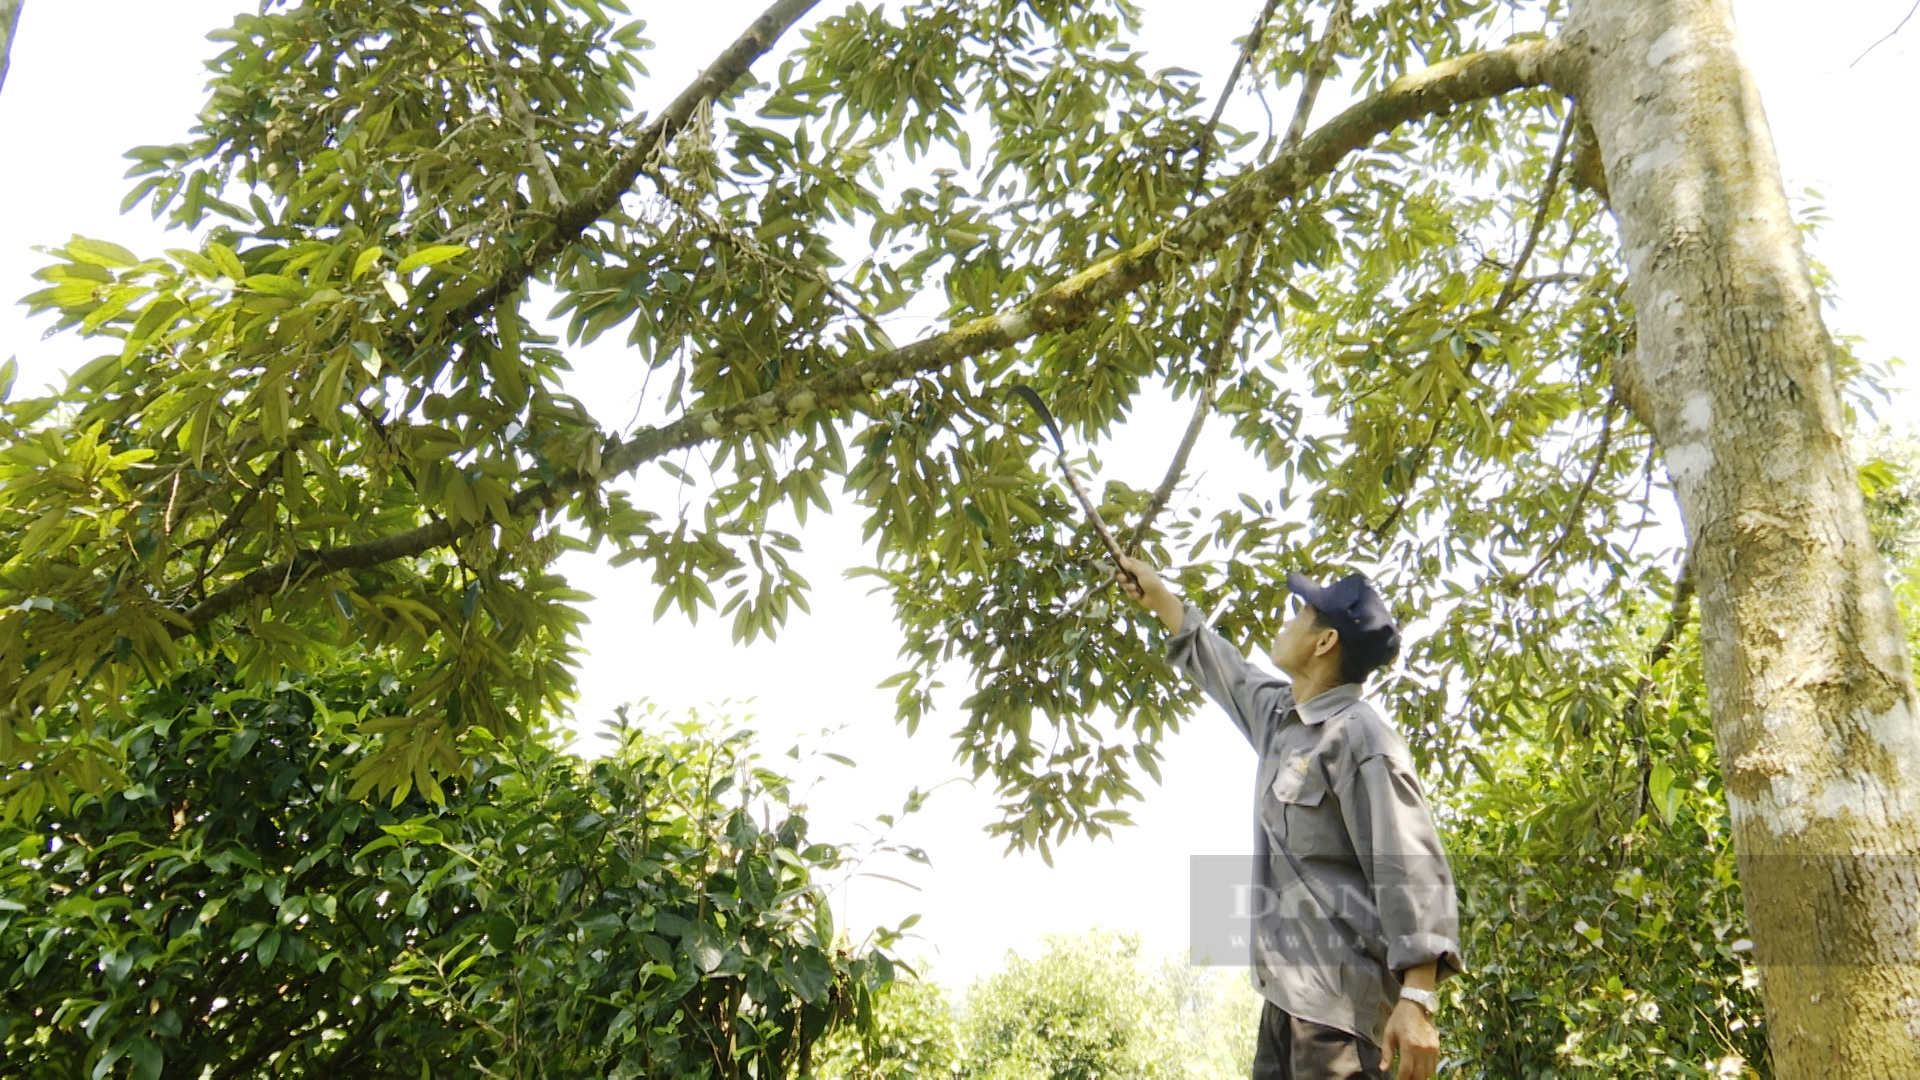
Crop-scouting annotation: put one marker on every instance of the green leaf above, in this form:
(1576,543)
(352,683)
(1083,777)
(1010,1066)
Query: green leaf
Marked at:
(229,263)
(276,285)
(365,260)
(147,1057)
(1661,790)
(242,743)
(100,253)
(429,256)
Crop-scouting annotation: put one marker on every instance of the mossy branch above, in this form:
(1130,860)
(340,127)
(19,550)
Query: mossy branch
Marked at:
(1073,302)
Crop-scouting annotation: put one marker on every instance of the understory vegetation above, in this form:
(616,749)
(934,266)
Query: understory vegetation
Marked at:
(234,911)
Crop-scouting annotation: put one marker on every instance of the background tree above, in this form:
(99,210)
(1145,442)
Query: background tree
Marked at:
(233,912)
(334,422)
(1081,1009)
(1087,1005)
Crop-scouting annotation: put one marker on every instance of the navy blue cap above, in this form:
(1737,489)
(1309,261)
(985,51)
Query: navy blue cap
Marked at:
(1351,605)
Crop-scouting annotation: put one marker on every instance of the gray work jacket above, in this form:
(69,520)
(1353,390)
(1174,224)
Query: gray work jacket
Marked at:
(1351,884)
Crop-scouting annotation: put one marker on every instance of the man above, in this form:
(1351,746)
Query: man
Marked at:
(1358,919)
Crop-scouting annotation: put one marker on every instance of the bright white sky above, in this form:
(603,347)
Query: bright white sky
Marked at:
(92,78)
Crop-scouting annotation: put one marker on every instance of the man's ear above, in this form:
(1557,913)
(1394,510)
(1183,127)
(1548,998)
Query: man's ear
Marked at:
(1328,641)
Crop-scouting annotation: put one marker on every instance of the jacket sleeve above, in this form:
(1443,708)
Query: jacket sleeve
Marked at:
(1401,855)
(1251,696)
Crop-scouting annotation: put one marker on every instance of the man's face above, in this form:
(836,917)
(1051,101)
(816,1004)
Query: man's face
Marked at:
(1299,641)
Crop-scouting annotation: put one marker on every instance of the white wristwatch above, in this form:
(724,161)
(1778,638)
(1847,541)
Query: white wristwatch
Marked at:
(1426,999)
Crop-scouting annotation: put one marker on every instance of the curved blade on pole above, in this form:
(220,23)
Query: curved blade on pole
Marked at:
(1031,397)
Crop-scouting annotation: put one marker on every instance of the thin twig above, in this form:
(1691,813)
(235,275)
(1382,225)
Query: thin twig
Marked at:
(1636,710)
(1540,213)
(522,116)
(1247,50)
(1578,509)
(1890,33)
(241,508)
(1508,291)
(173,499)
(1317,70)
(1216,361)
(1318,67)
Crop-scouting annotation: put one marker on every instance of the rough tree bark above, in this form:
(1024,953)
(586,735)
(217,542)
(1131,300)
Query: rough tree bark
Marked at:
(1808,680)
(9,20)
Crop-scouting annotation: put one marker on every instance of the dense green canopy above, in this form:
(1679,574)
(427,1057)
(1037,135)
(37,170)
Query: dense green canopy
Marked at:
(335,422)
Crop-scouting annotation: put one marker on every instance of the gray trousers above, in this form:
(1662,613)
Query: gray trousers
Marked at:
(1290,1048)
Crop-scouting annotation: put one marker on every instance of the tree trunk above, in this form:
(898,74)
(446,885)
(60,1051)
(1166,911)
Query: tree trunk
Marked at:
(1807,674)
(9,19)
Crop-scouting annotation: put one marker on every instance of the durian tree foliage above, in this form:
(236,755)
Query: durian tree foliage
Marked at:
(331,419)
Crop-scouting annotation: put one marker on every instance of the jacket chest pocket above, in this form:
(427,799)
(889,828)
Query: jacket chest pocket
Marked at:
(1300,790)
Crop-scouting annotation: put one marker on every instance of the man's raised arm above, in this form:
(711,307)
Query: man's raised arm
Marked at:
(1251,695)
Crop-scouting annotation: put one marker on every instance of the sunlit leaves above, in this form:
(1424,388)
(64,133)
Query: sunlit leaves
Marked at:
(264,398)
(297,380)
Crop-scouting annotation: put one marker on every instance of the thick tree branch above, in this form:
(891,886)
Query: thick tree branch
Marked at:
(573,219)
(1062,307)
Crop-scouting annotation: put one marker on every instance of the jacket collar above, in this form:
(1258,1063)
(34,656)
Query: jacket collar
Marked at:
(1328,704)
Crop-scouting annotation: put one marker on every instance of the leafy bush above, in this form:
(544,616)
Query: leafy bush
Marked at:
(1603,921)
(235,913)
